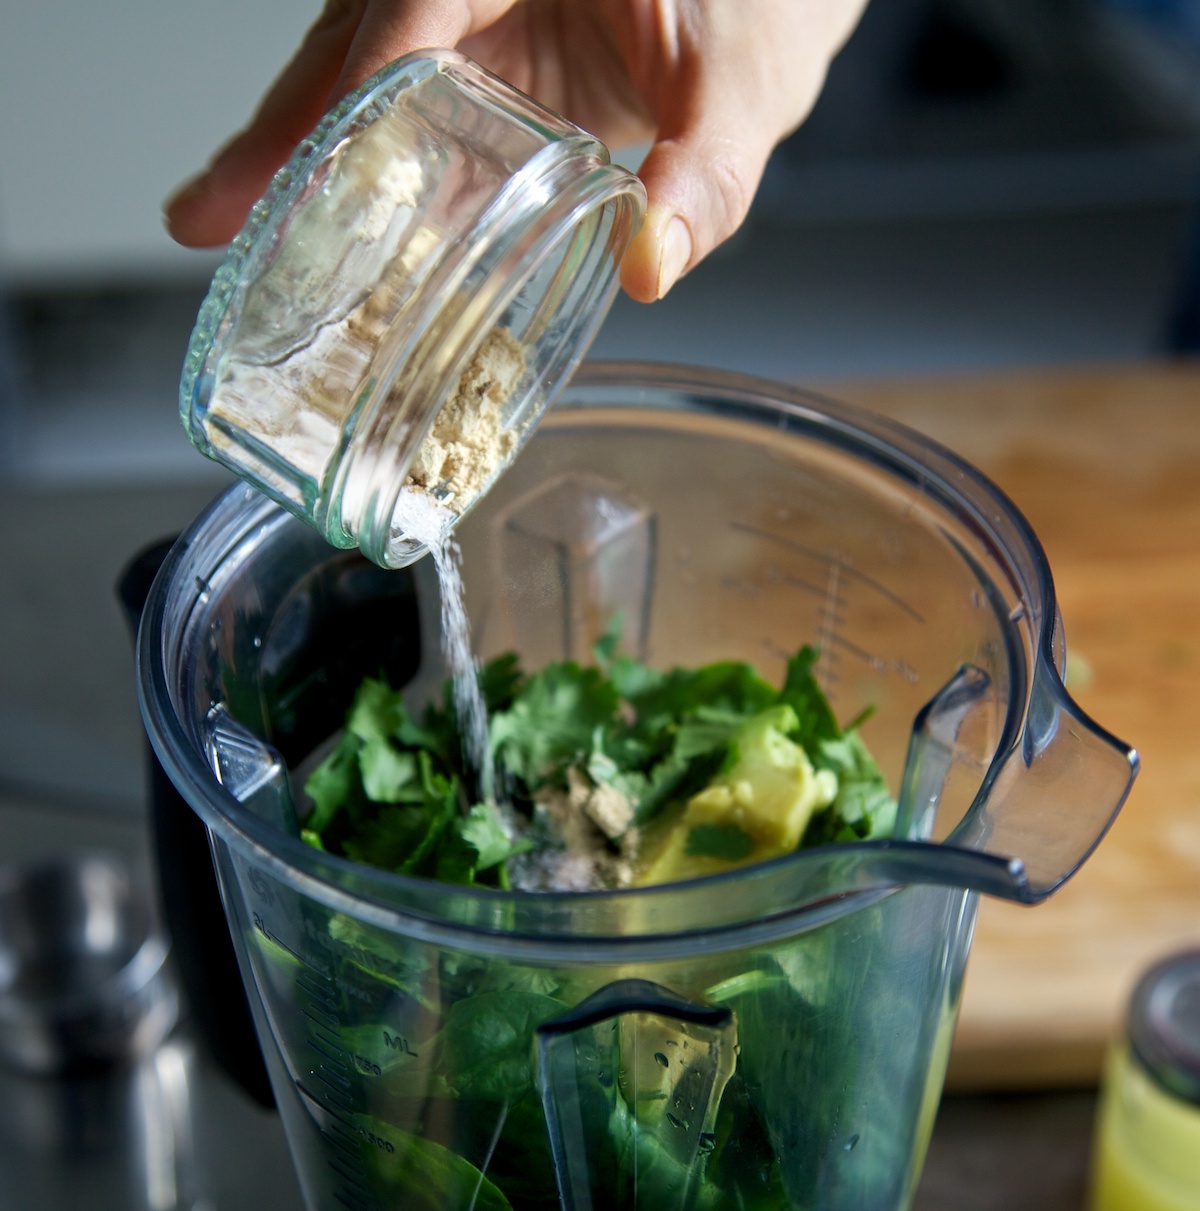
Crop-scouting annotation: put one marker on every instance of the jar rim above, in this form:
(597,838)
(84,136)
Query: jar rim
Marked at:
(1164,1024)
(513,243)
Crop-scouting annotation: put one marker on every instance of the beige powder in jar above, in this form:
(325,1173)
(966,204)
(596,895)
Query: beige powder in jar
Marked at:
(469,441)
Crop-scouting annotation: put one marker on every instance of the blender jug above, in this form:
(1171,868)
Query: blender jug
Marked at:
(771,1038)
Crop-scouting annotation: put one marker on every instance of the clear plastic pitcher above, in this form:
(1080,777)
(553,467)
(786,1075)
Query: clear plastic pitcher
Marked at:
(774,1038)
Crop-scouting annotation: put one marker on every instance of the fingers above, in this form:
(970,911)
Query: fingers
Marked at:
(726,91)
(350,41)
(211,208)
(396,27)
(698,191)
(391,28)
(723,88)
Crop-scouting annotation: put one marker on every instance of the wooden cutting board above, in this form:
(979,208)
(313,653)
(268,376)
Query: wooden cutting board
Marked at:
(1105,463)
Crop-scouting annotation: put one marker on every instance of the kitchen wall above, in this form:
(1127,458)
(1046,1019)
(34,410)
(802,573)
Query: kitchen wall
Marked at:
(107,107)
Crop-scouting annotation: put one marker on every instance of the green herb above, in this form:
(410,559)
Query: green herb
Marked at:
(453,1110)
(719,841)
(394,792)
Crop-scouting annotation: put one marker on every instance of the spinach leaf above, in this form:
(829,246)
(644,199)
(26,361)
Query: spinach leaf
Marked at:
(487,1042)
(428,1177)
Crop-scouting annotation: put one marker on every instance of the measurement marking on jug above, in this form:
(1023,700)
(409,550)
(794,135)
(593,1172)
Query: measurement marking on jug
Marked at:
(318,992)
(354,1181)
(378,1141)
(358,1205)
(347,1172)
(342,1138)
(826,673)
(367,1067)
(318,968)
(898,666)
(875,662)
(324,1105)
(323,1019)
(337,1084)
(799,582)
(851,572)
(325,1014)
(348,1164)
(336,1090)
(316,982)
(332,1099)
(334,1057)
(397,1042)
(747,588)
(329,1037)
(344,1158)
(356,1201)
(322,1034)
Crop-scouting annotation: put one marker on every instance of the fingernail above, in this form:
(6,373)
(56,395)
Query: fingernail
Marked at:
(676,253)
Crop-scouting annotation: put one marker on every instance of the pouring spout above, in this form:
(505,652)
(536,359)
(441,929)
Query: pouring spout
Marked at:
(1043,806)
(931,750)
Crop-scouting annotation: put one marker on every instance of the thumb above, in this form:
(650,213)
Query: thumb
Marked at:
(699,188)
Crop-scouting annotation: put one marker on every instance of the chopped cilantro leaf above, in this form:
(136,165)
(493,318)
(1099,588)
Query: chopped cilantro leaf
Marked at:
(333,783)
(389,774)
(482,829)
(393,791)
(550,723)
(801,692)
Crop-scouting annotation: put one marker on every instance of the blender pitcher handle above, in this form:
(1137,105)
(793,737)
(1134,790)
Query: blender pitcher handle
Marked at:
(1046,804)
(631,1081)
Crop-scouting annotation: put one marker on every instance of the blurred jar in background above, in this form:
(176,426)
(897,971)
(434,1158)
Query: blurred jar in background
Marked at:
(95,1082)
(1147,1151)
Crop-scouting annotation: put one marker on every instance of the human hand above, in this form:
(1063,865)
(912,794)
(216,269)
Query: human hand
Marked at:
(716,84)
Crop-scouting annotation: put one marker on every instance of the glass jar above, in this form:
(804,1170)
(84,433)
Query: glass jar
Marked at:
(440,246)
(1147,1155)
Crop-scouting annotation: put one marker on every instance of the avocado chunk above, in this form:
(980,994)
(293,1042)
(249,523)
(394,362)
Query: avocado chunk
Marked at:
(755,809)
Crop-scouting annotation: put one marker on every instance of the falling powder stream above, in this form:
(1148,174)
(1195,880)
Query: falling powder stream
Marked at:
(422,517)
